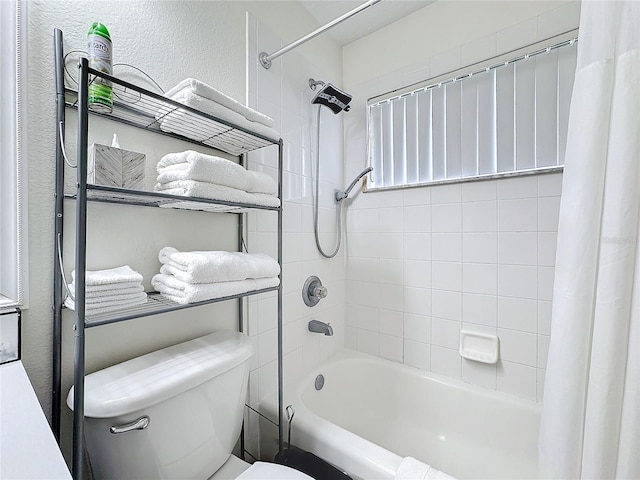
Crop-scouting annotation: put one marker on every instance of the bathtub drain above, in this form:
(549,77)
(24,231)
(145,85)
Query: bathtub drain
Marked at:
(319,382)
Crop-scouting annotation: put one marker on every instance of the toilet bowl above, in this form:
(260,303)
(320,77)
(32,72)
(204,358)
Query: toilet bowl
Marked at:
(173,413)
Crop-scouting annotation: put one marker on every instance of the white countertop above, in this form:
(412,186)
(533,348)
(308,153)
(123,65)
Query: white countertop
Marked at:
(28,449)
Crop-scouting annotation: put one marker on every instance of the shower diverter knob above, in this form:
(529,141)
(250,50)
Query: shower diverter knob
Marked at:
(320,292)
(313,291)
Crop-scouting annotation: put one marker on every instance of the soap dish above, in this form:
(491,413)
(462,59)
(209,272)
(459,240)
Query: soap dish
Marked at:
(479,347)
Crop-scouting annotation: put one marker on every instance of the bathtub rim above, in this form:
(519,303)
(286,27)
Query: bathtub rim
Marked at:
(294,390)
(457,383)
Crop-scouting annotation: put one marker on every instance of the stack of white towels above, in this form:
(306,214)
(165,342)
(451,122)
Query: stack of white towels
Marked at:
(195,174)
(205,98)
(109,290)
(190,277)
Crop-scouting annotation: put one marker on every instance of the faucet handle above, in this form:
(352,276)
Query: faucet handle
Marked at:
(313,291)
(320,291)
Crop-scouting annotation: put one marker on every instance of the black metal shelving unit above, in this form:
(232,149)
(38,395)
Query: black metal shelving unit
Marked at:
(140,108)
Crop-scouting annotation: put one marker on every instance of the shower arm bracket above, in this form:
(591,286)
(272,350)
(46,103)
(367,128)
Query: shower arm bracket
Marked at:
(265,60)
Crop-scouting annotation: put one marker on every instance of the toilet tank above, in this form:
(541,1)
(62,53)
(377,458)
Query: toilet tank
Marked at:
(193,394)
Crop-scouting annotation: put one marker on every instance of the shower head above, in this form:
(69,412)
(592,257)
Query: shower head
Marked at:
(342,194)
(331,97)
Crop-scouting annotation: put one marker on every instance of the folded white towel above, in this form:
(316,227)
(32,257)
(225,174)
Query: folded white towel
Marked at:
(182,122)
(228,142)
(98,298)
(110,276)
(216,266)
(224,113)
(184,293)
(95,292)
(412,469)
(110,288)
(98,308)
(207,91)
(259,182)
(191,165)
(202,207)
(193,188)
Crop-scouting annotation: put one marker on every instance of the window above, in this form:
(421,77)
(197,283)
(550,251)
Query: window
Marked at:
(12,214)
(510,116)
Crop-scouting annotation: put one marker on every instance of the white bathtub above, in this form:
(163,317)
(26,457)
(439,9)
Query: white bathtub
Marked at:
(372,412)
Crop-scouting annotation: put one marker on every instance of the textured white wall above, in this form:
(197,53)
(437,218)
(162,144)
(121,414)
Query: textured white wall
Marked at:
(477,255)
(170,41)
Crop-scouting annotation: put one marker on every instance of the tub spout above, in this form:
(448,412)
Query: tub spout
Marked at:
(317,326)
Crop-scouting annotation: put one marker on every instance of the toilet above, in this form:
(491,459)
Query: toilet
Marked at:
(175,413)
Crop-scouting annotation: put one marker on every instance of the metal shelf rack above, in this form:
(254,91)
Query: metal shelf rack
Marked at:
(140,108)
(101,193)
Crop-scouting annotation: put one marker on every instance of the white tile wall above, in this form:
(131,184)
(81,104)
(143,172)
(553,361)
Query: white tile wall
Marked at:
(478,255)
(282,92)
(418,265)
(484,256)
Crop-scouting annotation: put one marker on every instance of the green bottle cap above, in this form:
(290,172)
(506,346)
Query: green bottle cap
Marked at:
(99,29)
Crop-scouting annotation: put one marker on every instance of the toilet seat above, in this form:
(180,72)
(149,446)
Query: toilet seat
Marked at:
(271,471)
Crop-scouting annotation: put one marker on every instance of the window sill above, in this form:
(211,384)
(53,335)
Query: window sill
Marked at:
(477,178)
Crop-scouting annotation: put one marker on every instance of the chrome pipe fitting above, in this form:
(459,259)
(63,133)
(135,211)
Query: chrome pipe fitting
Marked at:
(316,326)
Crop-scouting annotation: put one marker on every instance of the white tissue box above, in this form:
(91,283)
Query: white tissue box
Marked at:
(115,167)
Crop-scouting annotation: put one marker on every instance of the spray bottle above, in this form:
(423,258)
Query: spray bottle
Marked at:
(100,58)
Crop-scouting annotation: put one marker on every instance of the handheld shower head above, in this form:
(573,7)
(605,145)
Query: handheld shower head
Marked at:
(341,195)
(331,97)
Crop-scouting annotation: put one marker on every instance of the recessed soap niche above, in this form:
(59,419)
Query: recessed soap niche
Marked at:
(9,336)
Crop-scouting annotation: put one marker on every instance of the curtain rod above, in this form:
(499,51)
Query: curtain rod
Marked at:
(266,58)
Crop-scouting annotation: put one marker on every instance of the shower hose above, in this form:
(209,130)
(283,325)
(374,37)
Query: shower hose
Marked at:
(315,200)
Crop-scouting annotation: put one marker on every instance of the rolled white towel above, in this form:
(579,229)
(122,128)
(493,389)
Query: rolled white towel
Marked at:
(184,293)
(185,123)
(110,276)
(216,266)
(191,165)
(207,91)
(113,305)
(412,469)
(193,188)
(92,293)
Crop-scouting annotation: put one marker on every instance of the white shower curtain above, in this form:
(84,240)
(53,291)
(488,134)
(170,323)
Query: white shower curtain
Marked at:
(591,411)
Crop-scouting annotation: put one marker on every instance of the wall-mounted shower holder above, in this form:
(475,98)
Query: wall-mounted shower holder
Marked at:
(313,291)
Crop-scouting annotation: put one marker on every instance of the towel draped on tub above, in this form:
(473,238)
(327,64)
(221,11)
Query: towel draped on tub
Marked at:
(412,469)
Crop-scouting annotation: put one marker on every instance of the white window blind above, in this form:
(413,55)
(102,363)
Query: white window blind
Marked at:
(509,117)
(12,215)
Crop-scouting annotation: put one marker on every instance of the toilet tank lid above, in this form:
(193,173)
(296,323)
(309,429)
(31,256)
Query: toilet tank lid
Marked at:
(157,376)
